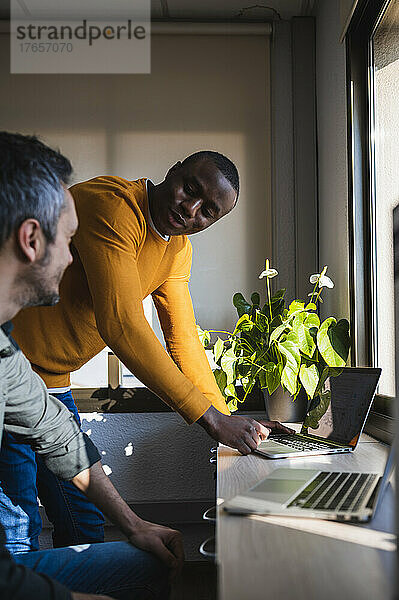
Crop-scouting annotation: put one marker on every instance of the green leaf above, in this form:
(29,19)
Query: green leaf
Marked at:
(204,336)
(291,368)
(241,304)
(230,391)
(309,377)
(218,349)
(221,380)
(307,360)
(312,320)
(292,337)
(311,306)
(277,306)
(255,299)
(324,374)
(276,322)
(273,377)
(232,405)
(227,363)
(278,331)
(246,349)
(266,310)
(333,341)
(242,369)
(295,306)
(314,415)
(278,295)
(262,379)
(247,384)
(261,321)
(305,341)
(244,323)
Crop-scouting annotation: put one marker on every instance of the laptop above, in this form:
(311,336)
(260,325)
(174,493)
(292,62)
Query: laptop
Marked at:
(332,495)
(333,424)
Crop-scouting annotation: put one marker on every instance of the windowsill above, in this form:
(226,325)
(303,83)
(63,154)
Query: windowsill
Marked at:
(381,427)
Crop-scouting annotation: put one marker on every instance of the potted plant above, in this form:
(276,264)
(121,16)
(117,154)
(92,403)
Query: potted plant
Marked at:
(281,348)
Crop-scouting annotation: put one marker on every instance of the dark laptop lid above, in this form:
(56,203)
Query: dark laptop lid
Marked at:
(342,411)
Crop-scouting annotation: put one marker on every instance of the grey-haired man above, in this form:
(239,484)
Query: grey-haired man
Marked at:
(37,221)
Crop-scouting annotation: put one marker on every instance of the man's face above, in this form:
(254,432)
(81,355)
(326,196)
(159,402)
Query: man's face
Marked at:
(192,197)
(44,278)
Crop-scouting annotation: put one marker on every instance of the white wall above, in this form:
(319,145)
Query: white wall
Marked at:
(332,156)
(203,93)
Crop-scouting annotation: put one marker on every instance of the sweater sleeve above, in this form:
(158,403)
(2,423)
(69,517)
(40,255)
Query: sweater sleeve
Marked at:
(108,247)
(176,315)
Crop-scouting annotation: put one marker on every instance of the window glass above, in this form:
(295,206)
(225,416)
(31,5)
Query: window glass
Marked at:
(385,47)
(94,374)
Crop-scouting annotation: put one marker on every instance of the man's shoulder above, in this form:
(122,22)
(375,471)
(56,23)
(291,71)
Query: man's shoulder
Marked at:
(109,189)
(112,200)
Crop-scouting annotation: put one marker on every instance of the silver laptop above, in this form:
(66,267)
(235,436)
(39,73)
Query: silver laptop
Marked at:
(333,423)
(332,495)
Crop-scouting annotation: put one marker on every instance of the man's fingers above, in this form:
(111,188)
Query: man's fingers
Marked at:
(258,434)
(164,554)
(244,448)
(175,544)
(262,430)
(285,429)
(276,426)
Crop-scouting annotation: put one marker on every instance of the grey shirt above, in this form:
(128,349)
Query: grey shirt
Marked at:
(40,420)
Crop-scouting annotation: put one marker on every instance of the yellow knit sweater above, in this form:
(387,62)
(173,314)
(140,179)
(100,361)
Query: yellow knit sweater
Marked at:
(118,261)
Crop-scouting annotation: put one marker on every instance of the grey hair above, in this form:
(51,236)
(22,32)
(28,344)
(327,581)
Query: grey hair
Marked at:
(31,184)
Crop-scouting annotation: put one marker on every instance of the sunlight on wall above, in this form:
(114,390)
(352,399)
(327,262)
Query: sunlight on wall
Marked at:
(387,197)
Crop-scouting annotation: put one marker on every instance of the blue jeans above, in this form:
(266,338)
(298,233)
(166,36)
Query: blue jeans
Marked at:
(24,477)
(117,569)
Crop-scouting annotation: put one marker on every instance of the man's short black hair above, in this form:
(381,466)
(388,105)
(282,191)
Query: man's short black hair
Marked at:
(224,164)
(31,184)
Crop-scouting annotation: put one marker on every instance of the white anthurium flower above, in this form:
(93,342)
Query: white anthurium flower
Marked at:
(268,272)
(321,279)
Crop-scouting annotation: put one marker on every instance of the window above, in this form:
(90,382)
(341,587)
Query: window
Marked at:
(385,53)
(106,369)
(373,131)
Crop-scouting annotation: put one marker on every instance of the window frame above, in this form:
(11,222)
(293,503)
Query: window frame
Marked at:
(361,197)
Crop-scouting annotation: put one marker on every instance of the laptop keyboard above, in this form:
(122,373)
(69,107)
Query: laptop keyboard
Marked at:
(338,492)
(299,443)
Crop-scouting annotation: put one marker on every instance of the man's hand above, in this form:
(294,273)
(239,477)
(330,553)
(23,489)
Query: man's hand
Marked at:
(165,543)
(243,433)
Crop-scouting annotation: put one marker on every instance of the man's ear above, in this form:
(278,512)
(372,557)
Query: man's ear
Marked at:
(30,240)
(173,169)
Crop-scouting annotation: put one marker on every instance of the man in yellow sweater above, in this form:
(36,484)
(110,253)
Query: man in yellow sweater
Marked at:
(132,242)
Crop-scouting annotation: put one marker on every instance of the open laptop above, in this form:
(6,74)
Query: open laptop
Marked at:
(333,423)
(332,495)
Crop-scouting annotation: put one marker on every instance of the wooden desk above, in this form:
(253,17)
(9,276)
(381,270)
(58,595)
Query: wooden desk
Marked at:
(286,558)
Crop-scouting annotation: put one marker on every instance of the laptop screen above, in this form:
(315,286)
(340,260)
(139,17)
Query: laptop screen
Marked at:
(341,411)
